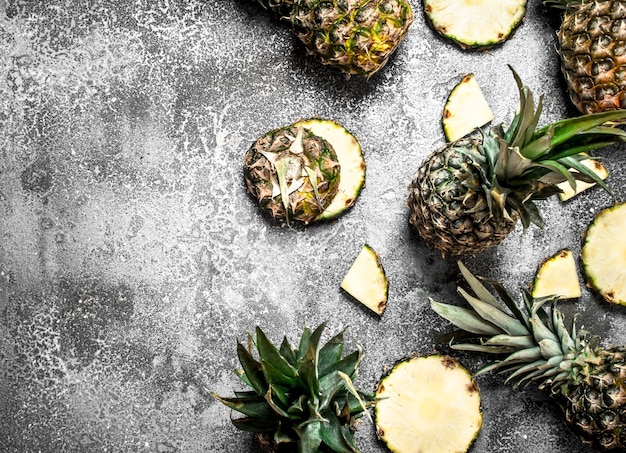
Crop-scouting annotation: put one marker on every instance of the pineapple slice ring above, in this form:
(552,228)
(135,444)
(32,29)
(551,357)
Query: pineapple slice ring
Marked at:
(603,254)
(429,404)
(557,276)
(366,280)
(475,23)
(466,109)
(350,158)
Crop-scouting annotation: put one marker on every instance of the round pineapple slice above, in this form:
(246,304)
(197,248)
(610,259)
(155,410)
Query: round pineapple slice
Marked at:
(603,254)
(466,109)
(351,161)
(557,276)
(428,404)
(366,280)
(475,23)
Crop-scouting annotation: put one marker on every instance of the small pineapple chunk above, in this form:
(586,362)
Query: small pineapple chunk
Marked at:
(557,276)
(466,109)
(351,161)
(428,404)
(594,165)
(603,254)
(366,280)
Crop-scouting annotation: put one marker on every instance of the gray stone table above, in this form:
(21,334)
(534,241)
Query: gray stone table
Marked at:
(132,258)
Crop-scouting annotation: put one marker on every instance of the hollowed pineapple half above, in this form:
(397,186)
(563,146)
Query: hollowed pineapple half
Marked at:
(428,404)
(308,171)
(475,23)
(603,254)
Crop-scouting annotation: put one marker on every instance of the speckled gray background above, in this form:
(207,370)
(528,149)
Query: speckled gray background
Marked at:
(132,259)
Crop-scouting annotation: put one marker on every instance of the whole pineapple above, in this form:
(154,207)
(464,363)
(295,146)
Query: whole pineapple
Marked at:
(302,397)
(293,173)
(587,380)
(356,36)
(469,194)
(592,47)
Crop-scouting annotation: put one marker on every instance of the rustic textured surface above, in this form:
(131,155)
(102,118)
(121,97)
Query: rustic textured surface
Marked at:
(132,259)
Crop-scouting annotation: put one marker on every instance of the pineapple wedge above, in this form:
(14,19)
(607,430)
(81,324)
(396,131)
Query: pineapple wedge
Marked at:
(475,23)
(466,109)
(557,276)
(569,192)
(428,404)
(350,158)
(366,280)
(603,254)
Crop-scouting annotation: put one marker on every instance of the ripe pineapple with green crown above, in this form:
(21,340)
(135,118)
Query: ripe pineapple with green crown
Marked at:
(469,195)
(592,48)
(302,397)
(535,346)
(356,36)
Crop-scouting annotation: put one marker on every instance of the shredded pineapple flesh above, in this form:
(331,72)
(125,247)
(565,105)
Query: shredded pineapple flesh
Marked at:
(475,23)
(350,159)
(428,404)
(604,254)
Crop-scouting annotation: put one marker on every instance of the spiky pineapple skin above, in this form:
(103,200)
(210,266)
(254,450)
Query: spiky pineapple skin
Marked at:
(356,36)
(261,176)
(592,48)
(447,207)
(595,409)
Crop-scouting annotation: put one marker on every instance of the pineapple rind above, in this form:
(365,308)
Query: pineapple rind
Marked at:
(603,254)
(557,276)
(366,280)
(351,161)
(356,36)
(465,110)
(591,48)
(475,23)
(428,404)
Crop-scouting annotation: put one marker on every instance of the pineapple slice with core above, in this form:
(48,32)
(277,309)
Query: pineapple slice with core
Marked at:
(603,254)
(557,276)
(475,23)
(366,280)
(466,109)
(568,191)
(428,404)
(350,158)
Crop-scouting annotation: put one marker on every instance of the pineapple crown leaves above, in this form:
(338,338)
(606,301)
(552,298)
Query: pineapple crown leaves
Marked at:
(533,341)
(302,395)
(561,4)
(524,162)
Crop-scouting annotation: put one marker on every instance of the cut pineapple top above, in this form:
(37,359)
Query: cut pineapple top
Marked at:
(350,159)
(557,276)
(475,23)
(428,404)
(603,254)
(466,109)
(366,280)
